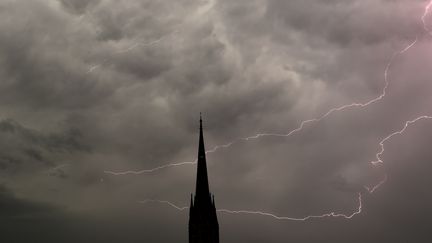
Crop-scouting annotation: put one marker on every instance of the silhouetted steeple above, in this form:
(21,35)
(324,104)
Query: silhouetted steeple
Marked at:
(203,222)
(202,185)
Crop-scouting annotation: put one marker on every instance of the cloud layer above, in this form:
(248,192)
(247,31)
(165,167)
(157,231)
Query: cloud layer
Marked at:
(94,85)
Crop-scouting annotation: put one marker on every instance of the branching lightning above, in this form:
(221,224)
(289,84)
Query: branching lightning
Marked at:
(296,130)
(331,214)
(424,16)
(137,172)
(326,215)
(378,160)
(150,170)
(164,202)
(128,49)
(407,124)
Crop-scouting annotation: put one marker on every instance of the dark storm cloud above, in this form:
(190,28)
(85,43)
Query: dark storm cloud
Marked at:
(23,148)
(88,86)
(78,6)
(12,207)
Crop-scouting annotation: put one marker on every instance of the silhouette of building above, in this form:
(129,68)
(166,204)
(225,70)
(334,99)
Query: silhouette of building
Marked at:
(203,222)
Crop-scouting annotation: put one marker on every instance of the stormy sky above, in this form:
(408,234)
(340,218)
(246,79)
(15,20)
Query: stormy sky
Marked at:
(90,86)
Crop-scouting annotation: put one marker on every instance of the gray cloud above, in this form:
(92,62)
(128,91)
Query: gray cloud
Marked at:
(12,207)
(25,149)
(88,86)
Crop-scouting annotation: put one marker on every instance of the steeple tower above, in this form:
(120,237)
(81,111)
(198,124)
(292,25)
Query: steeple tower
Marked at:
(203,223)
(202,186)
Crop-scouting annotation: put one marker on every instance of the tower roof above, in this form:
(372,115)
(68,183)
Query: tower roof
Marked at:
(203,222)
(202,185)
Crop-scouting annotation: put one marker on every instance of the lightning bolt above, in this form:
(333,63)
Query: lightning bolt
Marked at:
(145,44)
(128,172)
(179,208)
(260,213)
(296,130)
(58,167)
(378,160)
(94,67)
(376,186)
(423,18)
(326,215)
(407,124)
(138,172)
(130,48)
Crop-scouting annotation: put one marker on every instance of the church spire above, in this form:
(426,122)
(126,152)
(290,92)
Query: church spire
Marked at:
(202,185)
(203,222)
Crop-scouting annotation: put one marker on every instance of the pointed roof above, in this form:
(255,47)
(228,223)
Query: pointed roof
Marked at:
(202,185)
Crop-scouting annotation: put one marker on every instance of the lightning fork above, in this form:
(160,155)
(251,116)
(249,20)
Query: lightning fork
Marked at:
(376,162)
